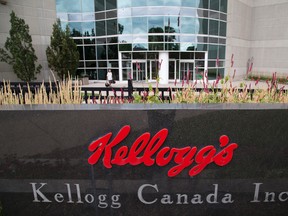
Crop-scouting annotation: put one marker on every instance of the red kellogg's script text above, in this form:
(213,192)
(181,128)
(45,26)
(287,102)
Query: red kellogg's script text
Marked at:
(150,151)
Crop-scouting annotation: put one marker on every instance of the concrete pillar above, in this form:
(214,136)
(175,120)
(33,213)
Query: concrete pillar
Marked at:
(164,68)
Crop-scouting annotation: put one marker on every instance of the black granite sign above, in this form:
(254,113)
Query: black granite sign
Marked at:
(140,160)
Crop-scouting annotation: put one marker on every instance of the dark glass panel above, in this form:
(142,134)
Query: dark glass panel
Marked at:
(140,47)
(89,41)
(212,73)
(113,51)
(222,29)
(80,50)
(214,15)
(204,4)
(100,16)
(112,27)
(90,52)
(213,27)
(99,5)
(111,4)
(125,47)
(203,26)
(111,14)
(90,64)
(100,28)
(222,51)
(92,73)
(213,52)
(223,6)
(101,52)
(202,47)
(214,4)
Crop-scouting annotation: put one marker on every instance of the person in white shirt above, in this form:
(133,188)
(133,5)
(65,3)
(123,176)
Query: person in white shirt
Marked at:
(109,76)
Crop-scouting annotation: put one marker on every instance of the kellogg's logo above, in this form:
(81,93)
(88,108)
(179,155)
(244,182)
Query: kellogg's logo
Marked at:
(151,152)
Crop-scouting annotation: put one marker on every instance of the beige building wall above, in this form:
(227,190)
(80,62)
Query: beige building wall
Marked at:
(258,29)
(40,16)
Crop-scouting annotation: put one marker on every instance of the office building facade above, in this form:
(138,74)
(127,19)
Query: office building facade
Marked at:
(166,40)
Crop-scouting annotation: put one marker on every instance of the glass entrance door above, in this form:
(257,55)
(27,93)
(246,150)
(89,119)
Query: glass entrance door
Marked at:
(186,70)
(139,72)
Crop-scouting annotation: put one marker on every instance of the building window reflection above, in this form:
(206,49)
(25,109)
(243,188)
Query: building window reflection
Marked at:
(193,30)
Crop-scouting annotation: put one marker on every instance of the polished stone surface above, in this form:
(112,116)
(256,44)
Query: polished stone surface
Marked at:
(46,147)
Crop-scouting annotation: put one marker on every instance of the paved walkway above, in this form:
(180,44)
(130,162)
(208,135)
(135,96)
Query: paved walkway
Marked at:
(237,84)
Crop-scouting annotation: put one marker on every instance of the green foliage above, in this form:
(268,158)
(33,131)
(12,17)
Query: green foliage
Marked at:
(19,51)
(62,54)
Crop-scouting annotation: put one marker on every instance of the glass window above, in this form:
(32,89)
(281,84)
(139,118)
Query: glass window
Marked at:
(125,26)
(124,3)
(70,6)
(212,73)
(139,11)
(124,12)
(203,26)
(188,25)
(80,50)
(188,12)
(140,47)
(171,25)
(88,28)
(213,52)
(137,3)
(75,28)
(213,27)
(125,39)
(74,17)
(204,4)
(189,3)
(190,38)
(100,28)
(173,2)
(90,52)
(101,52)
(112,27)
(99,5)
(113,51)
(214,4)
(111,4)
(222,29)
(155,2)
(222,51)
(100,16)
(139,25)
(155,24)
(89,41)
(202,47)
(88,6)
(140,39)
(88,16)
(187,47)
(223,6)
(125,47)
(111,14)
(214,15)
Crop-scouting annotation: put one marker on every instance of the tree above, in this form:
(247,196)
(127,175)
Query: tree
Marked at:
(19,51)
(62,54)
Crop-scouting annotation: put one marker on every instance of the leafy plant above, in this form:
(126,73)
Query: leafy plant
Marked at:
(62,54)
(19,51)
